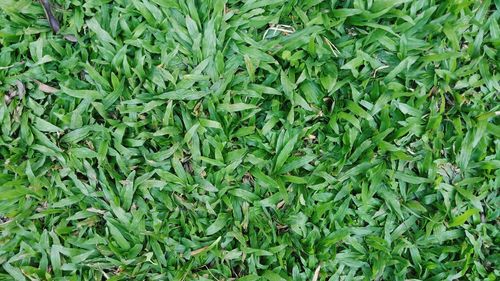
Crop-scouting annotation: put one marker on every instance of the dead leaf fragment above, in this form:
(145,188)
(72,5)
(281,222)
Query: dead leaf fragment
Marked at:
(71,38)
(46,88)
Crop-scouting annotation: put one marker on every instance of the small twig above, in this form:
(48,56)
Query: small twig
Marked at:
(54,24)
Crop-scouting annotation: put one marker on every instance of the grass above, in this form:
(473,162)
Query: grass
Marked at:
(251,140)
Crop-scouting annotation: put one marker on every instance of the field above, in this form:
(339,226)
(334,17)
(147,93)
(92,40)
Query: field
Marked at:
(249,140)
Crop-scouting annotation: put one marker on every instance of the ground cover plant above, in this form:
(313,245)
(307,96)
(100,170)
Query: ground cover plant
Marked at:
(249,140)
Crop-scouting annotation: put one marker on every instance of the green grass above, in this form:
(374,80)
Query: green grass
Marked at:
(252,140)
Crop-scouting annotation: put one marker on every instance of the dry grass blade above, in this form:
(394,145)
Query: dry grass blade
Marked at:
(279,28)
(316,273)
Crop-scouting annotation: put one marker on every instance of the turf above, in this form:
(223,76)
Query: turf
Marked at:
(251,140)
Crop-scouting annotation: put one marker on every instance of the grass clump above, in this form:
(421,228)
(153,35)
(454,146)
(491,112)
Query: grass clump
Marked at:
(250,140)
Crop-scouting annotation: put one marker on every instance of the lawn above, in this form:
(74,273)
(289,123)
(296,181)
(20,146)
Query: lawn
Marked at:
(249,140)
